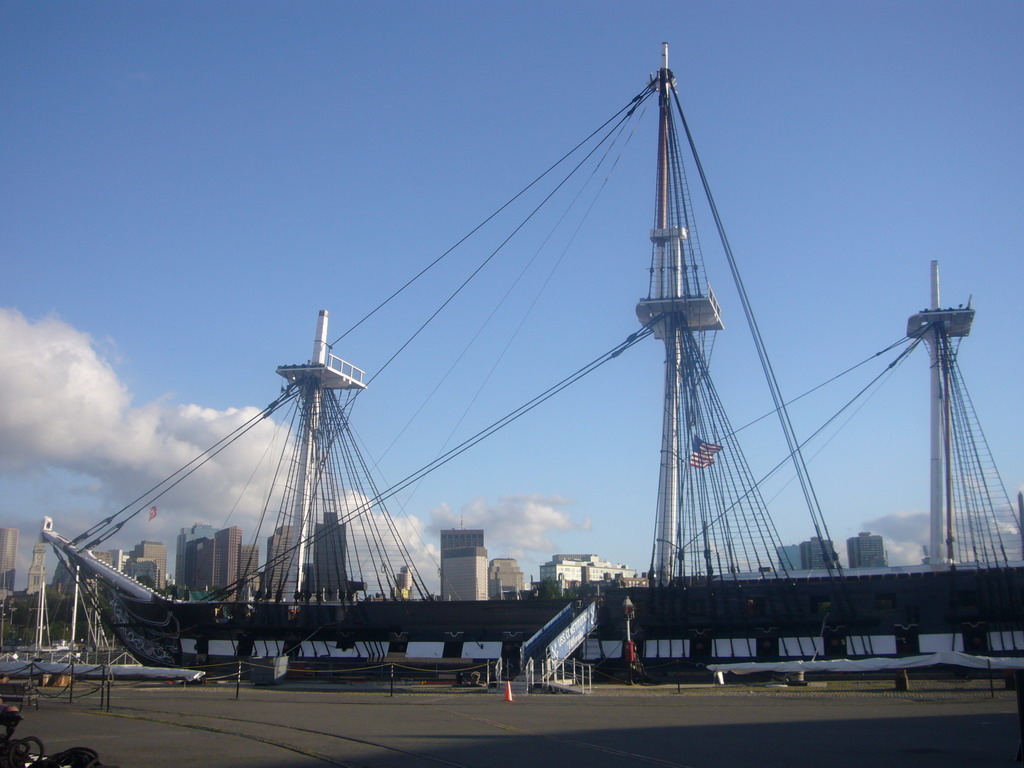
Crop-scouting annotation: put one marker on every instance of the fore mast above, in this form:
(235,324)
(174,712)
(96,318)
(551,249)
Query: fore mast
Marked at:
(678,306)
(323,371)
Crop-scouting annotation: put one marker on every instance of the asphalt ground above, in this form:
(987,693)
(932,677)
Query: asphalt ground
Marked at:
(838,725)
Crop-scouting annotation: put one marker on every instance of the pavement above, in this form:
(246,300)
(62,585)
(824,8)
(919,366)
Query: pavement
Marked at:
(838,725)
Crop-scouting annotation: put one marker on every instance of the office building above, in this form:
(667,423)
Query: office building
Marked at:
(463,565)
(155,552)
(813,554)
(866,551)
(330,577)
(184,569)
(227,556)
(8,560)
(581,569)
(789,557)
(504,579)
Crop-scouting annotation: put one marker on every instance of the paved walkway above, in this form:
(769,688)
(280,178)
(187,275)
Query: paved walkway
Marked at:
(839,726)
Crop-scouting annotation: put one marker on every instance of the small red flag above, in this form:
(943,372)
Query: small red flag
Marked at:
(152,512)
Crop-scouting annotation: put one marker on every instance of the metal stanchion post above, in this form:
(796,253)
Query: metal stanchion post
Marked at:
(71,684)
(238,679)
(392,679)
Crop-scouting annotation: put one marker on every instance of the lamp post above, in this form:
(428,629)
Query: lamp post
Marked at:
(628,648)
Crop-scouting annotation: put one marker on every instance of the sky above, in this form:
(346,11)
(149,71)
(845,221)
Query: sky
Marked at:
(185,185)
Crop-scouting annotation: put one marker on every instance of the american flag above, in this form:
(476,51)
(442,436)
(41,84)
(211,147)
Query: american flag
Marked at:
(152,512)
(703,453)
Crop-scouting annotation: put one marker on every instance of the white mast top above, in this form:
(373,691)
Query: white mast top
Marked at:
(664,55)
(320,342)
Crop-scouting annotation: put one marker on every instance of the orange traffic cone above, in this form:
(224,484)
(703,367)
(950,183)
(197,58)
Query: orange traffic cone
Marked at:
(508,691)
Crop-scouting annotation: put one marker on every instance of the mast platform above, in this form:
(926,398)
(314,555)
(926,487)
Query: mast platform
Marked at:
(955,322)
(701,312)
(335,373)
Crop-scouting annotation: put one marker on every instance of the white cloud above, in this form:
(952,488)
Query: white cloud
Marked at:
(905,534)
(69,428)
(517,526)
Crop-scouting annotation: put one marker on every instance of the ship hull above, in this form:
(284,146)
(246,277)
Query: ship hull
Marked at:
(893,614)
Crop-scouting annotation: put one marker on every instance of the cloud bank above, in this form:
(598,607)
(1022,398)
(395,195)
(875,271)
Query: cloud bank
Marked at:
(518,525)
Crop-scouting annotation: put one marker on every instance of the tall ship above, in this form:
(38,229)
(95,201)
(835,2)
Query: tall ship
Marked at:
(338,584)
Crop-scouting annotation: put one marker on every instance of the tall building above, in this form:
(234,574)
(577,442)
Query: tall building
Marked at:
(866,551)
(115,558)
(8,560)
(184,569)
(156,552)
(504,579)
(789,557)
(227,556)
(203,556)
(280,552)
(814,552)
(37,571)
(463,565)
(248,569)
(329,573)
(461,537)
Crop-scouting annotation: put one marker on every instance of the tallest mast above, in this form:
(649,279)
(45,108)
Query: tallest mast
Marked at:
(678,310)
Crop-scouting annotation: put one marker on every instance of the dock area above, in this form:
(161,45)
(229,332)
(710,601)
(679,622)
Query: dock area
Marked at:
(294,725)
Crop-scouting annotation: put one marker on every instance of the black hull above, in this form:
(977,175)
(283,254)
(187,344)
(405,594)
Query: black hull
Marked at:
(883,614)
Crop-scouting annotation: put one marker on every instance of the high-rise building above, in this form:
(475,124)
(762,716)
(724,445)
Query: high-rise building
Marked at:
(813,553)
(37,571)
(184,569)
(461,537)
(203,556)
(504,578)
(227,556)
(866,551)
(463,565)
(248,569)
(789,557)
(156,552)
(330,575)
(8,560)
(113,557)
(280,552)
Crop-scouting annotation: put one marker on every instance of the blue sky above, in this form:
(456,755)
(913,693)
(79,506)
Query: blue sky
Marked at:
(185,185)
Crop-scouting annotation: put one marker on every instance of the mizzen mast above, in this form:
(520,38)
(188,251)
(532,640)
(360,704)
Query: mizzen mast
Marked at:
(937,327)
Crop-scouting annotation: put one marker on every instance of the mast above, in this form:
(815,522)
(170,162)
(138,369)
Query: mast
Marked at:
(324,371)
(675,308)
(937,327)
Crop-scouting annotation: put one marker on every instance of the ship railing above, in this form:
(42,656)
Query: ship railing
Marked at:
(345,369)
(568,674)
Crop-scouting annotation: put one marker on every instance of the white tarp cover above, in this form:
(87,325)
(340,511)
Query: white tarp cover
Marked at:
(26,669)
(953,658)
